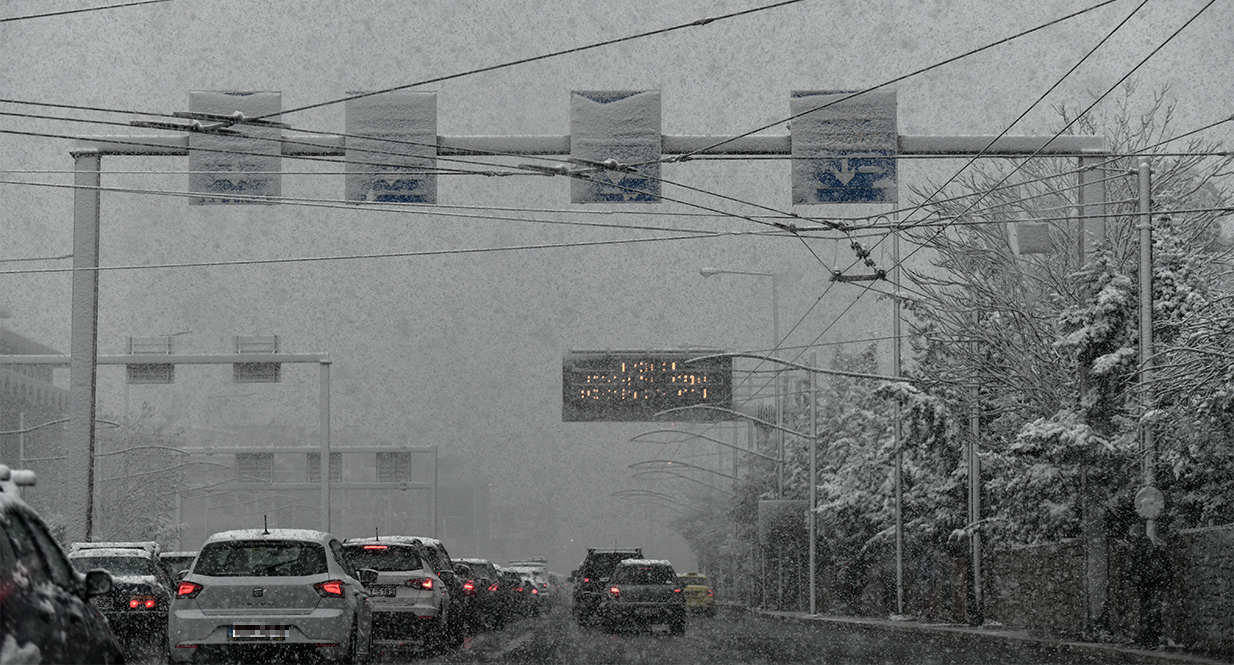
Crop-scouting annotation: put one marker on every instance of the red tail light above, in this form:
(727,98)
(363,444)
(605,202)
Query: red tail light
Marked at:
(188,590)
(142,601)
(492,587)
(588,579)
(677,590)
(425,583)
(329,588)
(710,593)
(376,547)
(535,591)
(615,592)
(469,588)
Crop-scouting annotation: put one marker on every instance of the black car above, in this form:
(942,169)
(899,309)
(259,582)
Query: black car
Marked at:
(588,586)
(513,599)
(46,615)
(641,593)
(140,596)
(482,582)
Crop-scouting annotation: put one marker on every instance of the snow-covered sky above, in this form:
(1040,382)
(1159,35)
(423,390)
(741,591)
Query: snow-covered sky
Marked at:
(443,346)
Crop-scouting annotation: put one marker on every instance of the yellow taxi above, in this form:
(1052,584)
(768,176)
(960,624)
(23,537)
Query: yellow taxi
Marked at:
(700,597)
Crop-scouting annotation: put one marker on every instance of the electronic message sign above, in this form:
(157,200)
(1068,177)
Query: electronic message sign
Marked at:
(635,385)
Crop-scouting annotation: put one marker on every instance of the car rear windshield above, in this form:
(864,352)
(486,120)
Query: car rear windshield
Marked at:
(693,580)
(116,565)
(601,564)
(383,557)
(644,575)
(261,559)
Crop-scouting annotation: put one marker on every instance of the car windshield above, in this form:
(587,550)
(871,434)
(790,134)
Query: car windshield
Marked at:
(383,557)
(261,559)
(644,575)
(116,565)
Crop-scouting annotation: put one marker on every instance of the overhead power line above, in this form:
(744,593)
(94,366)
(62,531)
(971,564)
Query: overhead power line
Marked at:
(545,56)
(1089,108)
(371,256)
(941,63)
(80,11)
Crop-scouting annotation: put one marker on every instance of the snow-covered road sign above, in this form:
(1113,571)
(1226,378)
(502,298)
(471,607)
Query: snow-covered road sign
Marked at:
(392,148)
(621,125)
(236,169)
(844,150)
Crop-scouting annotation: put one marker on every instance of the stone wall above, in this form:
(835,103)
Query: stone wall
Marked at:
(1200,605)
(1038,587)
(1041,589)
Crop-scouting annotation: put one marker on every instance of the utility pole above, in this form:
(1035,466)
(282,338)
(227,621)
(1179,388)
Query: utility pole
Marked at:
(813,481)
(1148,448)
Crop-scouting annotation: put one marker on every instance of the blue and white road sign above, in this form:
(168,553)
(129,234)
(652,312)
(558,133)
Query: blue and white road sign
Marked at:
(391,148)
(622,125)
(242,169)
(844,147)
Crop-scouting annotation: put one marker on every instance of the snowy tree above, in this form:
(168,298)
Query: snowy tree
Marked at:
(1017,337)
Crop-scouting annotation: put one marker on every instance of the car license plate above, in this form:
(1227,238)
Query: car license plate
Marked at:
(386,591)
(247,631)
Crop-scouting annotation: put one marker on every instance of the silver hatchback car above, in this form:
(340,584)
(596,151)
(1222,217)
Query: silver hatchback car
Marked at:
(257,595)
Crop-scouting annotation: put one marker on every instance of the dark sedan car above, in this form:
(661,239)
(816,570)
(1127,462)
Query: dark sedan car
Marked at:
(641,593)
(141,593)
(46,616)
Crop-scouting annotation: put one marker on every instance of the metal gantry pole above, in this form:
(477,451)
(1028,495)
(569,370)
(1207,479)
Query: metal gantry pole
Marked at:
(83,344)
(324,419)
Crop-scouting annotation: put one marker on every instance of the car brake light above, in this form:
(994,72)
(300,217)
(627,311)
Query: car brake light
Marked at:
(710,593)
(614,591)
(492,587)
(188,590)
(469,588)
(677,590)
(376,547)
(425,583)
(535,591)
(329,588)
(586,579)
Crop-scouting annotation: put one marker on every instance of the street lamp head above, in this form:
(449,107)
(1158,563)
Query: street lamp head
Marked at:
(708,272)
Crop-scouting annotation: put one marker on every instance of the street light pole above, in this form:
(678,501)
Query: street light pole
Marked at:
(775,346)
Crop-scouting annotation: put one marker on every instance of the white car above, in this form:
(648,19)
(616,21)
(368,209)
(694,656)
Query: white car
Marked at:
(410,600)
(257,595)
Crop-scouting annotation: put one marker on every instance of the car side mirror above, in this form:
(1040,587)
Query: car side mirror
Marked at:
(367,576)
(447,576)
(462,569)
(181,573)
(98,583)
(603,580)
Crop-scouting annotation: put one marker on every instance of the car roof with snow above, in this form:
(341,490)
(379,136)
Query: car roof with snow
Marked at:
(392,540)
(146,545)
(270,534)
(110,551)
(646,562)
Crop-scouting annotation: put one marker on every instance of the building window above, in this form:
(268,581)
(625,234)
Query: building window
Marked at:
(313,468)
(255,468)
(393,467)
